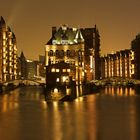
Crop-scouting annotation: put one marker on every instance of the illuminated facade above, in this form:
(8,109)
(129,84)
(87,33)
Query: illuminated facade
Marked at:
(92,52)
(71,46)
(8,53)
(22,66)
(125,63)
(61,73)
(119,64)
(135,46)
(31,69)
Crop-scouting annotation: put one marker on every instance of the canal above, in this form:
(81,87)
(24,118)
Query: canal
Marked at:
(111,114)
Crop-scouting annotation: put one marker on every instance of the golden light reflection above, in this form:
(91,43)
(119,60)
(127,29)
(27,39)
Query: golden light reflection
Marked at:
(79,99)
(57,121)
(55,104)
(44,104)
(6,106)
(93,118)
(112,91)
(133,122)
(66,104)
(119,91)
(126,92)
(131,92)
(106,90)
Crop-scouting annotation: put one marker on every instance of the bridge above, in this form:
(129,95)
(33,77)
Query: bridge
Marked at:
(27,82)
(116,81)
(16,83)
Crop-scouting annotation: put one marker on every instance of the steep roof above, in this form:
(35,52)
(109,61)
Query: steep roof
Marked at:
(66,35)
(2,21)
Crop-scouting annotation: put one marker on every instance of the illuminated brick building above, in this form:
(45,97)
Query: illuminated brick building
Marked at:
(8,53)
(92,52)
(135,46)
(77,47)
(22,66)
(125,63)
(118,64)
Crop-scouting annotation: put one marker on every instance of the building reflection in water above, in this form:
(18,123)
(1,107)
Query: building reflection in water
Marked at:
(58,92)
(92,122)
(90,117)
(71,120)
(133,121)
(119,91)
(7,103)
(10,99)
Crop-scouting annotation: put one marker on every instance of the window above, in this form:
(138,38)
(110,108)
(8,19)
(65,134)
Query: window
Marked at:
(64,70)
(53,70)
(72,53)
(57,53)
(57,70)
(68,53)
(62,53)
(50,53)
(57,80)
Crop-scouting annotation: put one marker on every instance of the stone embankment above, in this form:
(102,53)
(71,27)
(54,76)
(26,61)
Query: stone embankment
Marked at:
(116,82)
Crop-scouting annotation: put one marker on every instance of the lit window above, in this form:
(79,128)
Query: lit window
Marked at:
(4,35)
(68,70)
(57,80)
(133,56)
(52,70)
(65,79)
(4,62)
(55,90)
(64,70)
(4,49)
(57,70)
(4,70)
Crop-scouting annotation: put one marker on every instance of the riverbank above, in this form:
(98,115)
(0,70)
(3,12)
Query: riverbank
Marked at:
(7,87)
(116,82)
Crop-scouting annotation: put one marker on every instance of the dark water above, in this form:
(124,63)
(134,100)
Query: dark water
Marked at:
(112,114)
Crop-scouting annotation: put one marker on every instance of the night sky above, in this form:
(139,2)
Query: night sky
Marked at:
(118,21)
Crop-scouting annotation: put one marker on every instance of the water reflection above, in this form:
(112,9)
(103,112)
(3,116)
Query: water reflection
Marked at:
(7,106)
(10,99)
(70,120)
(24,114)
(119,91)
(59,92)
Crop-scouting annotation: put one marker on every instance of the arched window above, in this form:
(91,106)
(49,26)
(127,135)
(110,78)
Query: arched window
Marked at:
(72,53)
(62,53)
(79,53)
(68,53)
(56,53)
(50,53)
